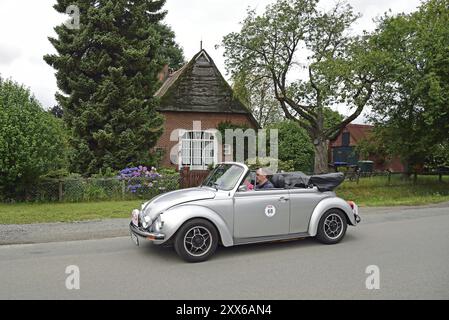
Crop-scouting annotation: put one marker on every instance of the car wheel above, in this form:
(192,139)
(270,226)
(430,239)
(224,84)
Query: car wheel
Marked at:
(196,240)
(332,227)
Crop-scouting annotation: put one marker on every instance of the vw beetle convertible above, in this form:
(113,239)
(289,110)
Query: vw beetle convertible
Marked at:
(224,211)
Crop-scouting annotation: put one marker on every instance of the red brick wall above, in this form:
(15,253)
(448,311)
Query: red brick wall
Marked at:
(184,120)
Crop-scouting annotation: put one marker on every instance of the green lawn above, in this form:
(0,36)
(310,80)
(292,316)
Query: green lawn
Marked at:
(23,213)
(375,191)
(368,192)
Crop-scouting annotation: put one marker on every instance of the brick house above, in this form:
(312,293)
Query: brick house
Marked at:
(342,149)
(194,100)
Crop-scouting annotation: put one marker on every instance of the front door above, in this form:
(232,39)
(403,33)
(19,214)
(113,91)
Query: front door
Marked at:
(261,213)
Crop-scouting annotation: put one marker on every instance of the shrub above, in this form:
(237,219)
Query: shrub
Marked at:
(32,141)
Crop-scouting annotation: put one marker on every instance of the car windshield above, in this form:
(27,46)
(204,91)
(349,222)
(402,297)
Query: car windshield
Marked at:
(224,177)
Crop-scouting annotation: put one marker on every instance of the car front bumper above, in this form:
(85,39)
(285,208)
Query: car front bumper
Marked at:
(156,237)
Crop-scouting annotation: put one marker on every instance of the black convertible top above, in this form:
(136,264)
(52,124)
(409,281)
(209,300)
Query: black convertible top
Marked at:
(324,182)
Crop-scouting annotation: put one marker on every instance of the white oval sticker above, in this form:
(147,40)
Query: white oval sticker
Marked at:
(270,210)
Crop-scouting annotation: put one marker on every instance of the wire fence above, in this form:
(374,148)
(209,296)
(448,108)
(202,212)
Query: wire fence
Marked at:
(397,178)
(97,189)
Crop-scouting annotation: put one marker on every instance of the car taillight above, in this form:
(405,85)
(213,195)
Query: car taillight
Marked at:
(351,204)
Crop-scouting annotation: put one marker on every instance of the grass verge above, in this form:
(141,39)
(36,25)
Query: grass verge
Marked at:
(23,213)
(376,192)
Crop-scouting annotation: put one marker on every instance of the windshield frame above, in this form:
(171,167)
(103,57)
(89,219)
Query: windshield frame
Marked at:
(238,180)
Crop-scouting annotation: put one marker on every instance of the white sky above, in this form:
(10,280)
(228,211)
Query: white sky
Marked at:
(26,24)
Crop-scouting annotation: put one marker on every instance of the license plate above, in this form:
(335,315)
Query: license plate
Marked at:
(135,239)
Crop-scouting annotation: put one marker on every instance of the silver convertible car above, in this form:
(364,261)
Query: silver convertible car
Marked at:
(225,211)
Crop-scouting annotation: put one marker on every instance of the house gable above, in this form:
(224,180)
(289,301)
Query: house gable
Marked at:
(200,87)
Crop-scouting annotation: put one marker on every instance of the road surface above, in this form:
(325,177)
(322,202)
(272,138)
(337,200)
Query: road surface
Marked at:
(409,246)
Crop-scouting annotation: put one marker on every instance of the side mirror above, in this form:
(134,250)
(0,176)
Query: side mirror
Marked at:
(243,188)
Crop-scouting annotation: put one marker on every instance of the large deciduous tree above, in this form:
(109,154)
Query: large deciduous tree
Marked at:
(312,62)
(257,94)
(411,104)
(106,71)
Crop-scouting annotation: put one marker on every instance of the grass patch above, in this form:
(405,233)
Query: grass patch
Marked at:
(24,213)
(376,192)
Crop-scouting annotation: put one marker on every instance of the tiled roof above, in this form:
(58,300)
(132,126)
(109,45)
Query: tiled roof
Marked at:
(199,87)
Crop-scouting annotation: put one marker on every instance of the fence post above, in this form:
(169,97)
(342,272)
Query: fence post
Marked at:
(389,177)
(123,189)
(440,177)
(415,177)
(60,193)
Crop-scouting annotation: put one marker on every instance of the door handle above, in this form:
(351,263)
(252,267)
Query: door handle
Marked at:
(283,199)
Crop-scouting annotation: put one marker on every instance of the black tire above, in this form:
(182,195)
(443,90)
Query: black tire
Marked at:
(332,232)
(202,234)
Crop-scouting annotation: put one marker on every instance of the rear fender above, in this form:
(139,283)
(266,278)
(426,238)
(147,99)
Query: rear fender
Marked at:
(323,206)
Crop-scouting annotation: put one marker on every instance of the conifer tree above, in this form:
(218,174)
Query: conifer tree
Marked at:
(106,71)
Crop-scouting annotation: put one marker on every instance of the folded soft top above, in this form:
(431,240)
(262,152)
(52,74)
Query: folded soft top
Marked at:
(324,182)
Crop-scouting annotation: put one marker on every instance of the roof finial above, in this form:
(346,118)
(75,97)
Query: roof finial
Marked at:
(201,44)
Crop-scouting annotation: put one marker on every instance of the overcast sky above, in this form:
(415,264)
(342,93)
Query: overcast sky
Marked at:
(26,24)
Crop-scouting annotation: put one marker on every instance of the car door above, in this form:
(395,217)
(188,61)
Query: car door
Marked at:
(261,213)
(302,203)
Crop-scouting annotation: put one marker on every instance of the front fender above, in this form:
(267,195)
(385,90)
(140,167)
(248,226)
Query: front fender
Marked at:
(323,206)
(174,217)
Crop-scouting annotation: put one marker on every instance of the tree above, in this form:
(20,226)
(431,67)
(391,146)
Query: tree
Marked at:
(57,111)
(410,105)
(294,145)
(32,141)
(107,74)
(339,68)
(258,96)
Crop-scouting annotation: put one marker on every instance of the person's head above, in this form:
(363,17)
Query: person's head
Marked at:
(261,175)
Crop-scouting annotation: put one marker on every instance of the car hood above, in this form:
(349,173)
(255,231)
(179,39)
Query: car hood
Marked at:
(167,200)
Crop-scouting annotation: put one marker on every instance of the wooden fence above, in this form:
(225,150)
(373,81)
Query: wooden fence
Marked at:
(193,178)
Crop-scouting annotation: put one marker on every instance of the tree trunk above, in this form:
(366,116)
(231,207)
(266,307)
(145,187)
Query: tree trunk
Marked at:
(321,156)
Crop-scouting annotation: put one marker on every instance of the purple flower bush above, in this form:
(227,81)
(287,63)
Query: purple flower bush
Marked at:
(139,179)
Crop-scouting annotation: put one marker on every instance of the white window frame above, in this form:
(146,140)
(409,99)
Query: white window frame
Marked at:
(195,147)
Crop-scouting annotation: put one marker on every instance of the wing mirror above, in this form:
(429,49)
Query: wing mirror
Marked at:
(243,188)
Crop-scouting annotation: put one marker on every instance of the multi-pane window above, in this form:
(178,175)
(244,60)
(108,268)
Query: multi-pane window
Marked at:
(197,149)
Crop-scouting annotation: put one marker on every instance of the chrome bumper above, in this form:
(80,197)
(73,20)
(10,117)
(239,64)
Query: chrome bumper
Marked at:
(145,234)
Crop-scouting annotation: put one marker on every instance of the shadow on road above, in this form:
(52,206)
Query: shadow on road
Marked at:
(168,253)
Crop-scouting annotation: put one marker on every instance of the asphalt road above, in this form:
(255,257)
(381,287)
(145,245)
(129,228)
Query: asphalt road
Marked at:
(410,247)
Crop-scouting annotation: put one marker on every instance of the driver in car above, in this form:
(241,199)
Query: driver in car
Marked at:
(262,180)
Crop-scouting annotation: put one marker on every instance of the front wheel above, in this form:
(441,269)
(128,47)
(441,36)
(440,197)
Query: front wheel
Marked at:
(332,227)
(196,240)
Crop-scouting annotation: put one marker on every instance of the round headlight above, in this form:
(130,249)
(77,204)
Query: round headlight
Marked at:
(135,214)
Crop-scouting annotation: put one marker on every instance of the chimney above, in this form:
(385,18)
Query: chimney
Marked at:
(163,74)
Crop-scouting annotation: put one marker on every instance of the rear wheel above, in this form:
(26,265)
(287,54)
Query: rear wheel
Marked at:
(332,227)
(196,240)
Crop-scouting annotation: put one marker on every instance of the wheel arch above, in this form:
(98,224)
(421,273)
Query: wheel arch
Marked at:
(176,217)
(326,205)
